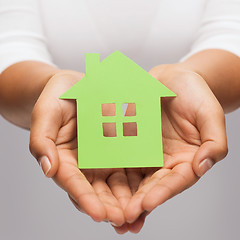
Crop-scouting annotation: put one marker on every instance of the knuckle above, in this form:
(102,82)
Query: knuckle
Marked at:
(223,151)
(155,71)
(33,146)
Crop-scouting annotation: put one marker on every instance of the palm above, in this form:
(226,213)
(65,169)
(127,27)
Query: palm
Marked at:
(110,190)
(182,121)
(109,194)
(177,173)
(99,193)
(96,192)
(90,190)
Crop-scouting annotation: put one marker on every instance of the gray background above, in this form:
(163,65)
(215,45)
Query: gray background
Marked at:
(33,207)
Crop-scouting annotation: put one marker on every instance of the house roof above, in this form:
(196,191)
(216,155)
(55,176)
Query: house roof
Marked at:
(116,75)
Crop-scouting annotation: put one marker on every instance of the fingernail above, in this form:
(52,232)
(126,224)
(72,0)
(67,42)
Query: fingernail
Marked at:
(205,165)
(114,224)
(45,164)
(130,222)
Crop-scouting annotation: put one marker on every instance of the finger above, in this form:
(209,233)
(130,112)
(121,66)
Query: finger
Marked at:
(121,230)
(123,184)
(180,178)
(114,212)
(163,185)
(45,124)
(118,183)
(75,204)
(148,172)
(49,115)
(135,207)
(135,177)
(214,140)
(73,181)
(138,224)
(134,227)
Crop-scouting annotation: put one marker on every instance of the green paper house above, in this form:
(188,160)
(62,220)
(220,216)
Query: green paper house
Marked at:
(132,140)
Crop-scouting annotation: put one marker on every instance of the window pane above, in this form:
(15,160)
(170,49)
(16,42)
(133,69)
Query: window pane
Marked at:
(129,109)
(109,129)
(108,109)
(130,129)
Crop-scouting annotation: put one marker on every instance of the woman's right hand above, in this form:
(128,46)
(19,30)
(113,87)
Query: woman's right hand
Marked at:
(102,194)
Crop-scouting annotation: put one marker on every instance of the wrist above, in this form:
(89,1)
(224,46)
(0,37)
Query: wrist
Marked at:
(221,71)
(69,74)
(169,72)
(177,77)
(20,86)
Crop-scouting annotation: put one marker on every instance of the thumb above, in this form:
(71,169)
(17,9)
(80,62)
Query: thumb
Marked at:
(211,124)
(45,124)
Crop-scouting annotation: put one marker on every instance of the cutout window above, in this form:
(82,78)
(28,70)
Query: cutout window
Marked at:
(130,129)
(109,109)
(109,124)
(129,109)
(109,129)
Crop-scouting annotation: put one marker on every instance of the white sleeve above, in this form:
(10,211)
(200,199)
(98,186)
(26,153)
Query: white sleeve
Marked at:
(219,29)
(21,33)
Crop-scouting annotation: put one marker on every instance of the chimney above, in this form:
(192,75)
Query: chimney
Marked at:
(91,63)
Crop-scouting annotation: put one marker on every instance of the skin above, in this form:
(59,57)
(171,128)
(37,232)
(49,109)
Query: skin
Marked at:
(189,137)
(206,84)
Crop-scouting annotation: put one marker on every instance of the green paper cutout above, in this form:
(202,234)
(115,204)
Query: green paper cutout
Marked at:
(119,80)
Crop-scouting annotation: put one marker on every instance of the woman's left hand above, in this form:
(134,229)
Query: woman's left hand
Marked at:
(194,139)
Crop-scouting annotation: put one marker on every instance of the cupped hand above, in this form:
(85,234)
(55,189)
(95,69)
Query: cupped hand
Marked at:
(194,139)
(100,193)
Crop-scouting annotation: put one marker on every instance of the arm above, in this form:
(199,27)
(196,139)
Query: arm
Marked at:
(29,89)
(221,71)
(215,51)
(25,63)
(36,88)
(20,87)
(193,125)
